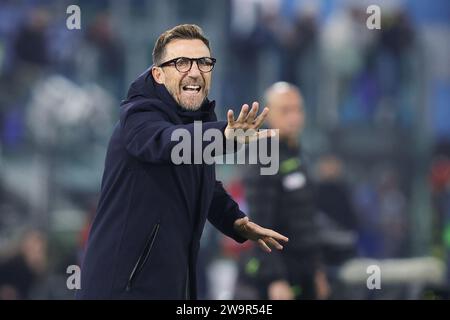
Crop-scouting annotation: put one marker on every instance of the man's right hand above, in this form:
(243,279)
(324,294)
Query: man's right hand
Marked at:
(280,290)
(245,128)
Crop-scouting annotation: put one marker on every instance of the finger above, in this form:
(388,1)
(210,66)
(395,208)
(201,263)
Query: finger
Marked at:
(260,119)
(276,235)
(263,134)
(274,243)
(253,112)
(230,117)
(251,135)
(243,113)
(264,246)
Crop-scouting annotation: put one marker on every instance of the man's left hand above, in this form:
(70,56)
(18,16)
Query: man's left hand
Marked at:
(266,238)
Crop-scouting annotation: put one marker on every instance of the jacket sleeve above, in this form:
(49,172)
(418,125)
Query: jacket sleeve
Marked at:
(262,194)
(223,212)
(147,135)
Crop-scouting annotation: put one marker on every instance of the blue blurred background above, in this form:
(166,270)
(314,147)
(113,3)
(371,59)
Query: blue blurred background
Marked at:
(377,100)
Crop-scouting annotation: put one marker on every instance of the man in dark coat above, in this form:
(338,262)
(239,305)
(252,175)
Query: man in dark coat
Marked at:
(144,240)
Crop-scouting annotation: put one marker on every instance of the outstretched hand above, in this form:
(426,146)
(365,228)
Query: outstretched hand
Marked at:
(244,129)
(266,238)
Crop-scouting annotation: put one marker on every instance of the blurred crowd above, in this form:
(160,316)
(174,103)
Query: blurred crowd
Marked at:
(376,136)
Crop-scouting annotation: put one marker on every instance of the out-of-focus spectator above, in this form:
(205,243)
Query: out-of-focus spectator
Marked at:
(337,220)
(392,216)
(365,198)
(381,210)
(345,43)
(285,201)
(31,45)
(102,58)
(23,270)
(391,64)
(440,184)
(334,201)
(248,39)
(296,33)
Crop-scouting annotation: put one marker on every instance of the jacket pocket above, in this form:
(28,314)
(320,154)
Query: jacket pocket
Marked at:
(140,263)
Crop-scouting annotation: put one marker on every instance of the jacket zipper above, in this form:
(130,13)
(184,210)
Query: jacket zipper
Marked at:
(143,257)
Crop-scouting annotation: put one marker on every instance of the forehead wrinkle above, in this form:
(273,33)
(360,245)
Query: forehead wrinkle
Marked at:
(186,48)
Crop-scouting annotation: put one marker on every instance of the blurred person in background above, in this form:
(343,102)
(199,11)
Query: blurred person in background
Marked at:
(285,201)
(296,33)
(248,38)
(337,219)
(31,44)
(393,215)
(105,52)
(22,271)
(439,177)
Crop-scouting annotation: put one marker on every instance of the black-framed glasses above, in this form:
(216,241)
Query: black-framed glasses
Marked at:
(184,64)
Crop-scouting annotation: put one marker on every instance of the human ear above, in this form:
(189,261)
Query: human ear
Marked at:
(158,75)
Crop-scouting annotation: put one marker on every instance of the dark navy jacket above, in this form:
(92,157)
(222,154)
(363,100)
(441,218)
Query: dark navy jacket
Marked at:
(144,240)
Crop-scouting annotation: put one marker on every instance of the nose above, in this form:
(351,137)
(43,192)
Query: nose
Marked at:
(195,71)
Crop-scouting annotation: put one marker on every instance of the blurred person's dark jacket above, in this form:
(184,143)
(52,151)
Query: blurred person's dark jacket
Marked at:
(31,46)
(18,277)
(111,53)
(284,202)
(144,241)
(339,231)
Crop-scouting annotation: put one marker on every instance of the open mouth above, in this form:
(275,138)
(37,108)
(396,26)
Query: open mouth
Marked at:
(191,88)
